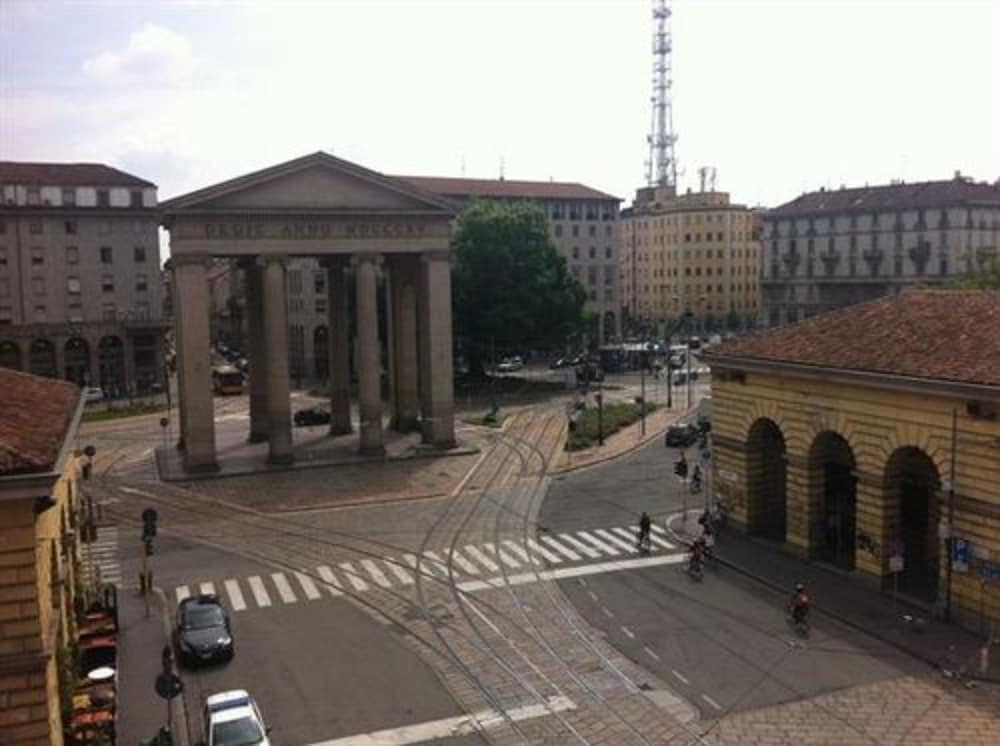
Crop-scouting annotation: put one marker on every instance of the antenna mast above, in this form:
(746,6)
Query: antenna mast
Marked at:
(661,168)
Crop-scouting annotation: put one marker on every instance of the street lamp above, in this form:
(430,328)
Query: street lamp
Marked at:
(599,396)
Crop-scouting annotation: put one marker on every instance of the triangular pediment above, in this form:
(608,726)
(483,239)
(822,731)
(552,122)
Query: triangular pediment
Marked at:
(318,182)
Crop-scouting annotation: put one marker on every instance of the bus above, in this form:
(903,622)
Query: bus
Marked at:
(227,380)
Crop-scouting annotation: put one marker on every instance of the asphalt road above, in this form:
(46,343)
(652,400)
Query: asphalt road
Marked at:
(722,642)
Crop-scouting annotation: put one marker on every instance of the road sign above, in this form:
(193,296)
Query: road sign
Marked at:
(164,422)
(89,451)
(170,686)
(960,555)
(896,563)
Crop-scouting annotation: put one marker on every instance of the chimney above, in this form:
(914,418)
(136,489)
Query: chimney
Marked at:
(958,175)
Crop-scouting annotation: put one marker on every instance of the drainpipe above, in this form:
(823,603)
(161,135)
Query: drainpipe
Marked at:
(950,540)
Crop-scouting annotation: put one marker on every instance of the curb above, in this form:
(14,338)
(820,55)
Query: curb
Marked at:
(846,621)
(178,728)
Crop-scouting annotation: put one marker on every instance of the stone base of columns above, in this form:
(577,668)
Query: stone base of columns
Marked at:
(199,465)
(406,424)
(281,459)
(340,429)
(257,437)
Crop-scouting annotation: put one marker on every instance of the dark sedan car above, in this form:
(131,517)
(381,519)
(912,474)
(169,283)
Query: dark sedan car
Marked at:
(683,434)
(312,416)
(203,633)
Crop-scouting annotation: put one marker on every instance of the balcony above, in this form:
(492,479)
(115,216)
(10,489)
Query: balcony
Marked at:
(873,255)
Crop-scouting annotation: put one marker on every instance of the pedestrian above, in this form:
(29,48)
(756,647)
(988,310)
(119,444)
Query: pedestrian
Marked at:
(645,525)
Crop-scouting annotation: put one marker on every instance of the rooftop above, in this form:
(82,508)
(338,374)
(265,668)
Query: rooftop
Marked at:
(924,194)
(35,416)
(942,335)
(452,187)
(67,174)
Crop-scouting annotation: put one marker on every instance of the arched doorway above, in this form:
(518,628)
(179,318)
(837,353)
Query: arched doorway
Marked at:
(834,492)
(77,353)
(10,355)
(111,352)
(42,358)
(912,484)
(321,352)
(766,474)
(610,330)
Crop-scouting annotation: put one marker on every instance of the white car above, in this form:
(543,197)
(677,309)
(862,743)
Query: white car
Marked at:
(510,365)
(233,719)
(92,395)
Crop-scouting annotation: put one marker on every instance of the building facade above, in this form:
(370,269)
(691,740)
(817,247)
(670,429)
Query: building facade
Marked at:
(694,253)
(837,438)
(831,248)
(80,289)
(39,555)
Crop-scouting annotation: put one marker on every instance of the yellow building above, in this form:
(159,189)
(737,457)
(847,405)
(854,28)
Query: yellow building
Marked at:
(39,554)
(694,253)
(870,432)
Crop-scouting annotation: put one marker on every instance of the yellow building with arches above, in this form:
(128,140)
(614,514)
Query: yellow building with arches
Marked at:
(871,432)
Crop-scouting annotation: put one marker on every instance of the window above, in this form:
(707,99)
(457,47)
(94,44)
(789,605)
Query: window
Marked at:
(106,255)
(70,227)
(319,282)
(6,315)
(35,227)
(718,236)
(607,252)
(4,287)
(109,311)
(609,275)
(3,256)
(591,276)
(68,196)
(75,312)
(141,285)
(576,252)
(592,230)
(108,284)
(295,281)
(139,254)
(34,196)
(135,198)
(897,265)
(104,227)
(142,310)
(72,255)
(943,266)
(73,285)
(558,230)
(37,257)
(576,231)
(38,285)
(321,304)
(607,230)
(593,252)
(103,198)
(40,314)
(138,226)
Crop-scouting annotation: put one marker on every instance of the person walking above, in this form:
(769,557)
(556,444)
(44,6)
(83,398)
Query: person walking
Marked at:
(645,526)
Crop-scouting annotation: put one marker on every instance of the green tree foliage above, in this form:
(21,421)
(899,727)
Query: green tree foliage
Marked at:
(511,286)
(986,278)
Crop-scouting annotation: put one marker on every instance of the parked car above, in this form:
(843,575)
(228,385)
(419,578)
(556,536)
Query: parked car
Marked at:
(233,719)
(681,376)
(203,634)
(510,365)
(92,395)
(681,434)
(312,416)
(559,362)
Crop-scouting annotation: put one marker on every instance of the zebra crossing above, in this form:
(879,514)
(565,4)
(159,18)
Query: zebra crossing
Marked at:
(100,558)
(473,566)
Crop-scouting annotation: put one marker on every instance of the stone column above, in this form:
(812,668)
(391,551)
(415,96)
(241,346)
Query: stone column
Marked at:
(369,367)
(339,347)
(436,378)
(194,364)
(275,311)
(256,352)
(406,399)
(178,346)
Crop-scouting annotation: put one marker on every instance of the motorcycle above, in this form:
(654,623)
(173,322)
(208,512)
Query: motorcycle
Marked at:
(798,619)
(695,567)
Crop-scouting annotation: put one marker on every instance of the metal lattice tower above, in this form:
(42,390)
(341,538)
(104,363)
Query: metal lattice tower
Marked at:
(661,168)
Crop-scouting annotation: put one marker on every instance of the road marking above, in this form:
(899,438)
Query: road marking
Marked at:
(568,553)
(332,583)
(348,569)
(651,654)
(462,562)
(657,540)
(436,564)
(502,555)
(607,612)
(259,591)
(399,571)
(376,573)
(629,633)
(482,558)
(593,596)
(182,593)
(598,543)
(207,588)
(679,676)
(519,551)
(236,599)
(308,586)
(460,725)
(628,546)
(284,587)
(630,534)
(711,701)
(585,548)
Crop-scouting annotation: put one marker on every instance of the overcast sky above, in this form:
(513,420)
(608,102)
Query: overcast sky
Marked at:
(780,96)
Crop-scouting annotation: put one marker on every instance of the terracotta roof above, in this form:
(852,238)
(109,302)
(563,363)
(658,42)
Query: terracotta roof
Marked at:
(35,416)
(923,194)
(67,174)
(450,187)
(945,335)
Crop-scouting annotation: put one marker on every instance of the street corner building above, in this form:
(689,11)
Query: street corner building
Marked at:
(869,438)
(39,555)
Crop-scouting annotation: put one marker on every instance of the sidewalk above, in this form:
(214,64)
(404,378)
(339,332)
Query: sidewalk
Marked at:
(850,602)
(141,712)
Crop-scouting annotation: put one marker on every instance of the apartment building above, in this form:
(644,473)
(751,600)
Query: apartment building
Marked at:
(80,288)
(832,248)
(694,253)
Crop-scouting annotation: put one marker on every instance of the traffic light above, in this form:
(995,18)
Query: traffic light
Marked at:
(681,468)
(148,524)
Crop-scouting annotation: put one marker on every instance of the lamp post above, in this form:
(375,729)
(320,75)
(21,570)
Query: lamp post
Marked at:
(600,412)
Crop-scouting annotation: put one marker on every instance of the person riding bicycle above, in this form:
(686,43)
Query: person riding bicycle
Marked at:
(645,525)
(697,557)
(798,605)
(696,478)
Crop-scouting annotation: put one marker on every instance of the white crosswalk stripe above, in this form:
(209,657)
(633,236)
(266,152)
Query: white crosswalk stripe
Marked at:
(182,593)
(657,540)
(308,586)
(436,564)
(628,546)
(461,561)
(236,600)
(352,577)
(480,557)
(538,549)
(587,549)
(284,587)
(207,589)
(604,547)
(397,569)
(376,573)
(332,582)
(100,558)
(659,530)
(259,591)
(517,549)
(565,551)
(502,555)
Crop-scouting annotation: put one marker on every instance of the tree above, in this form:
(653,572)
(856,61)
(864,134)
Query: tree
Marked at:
(511,287)
(987,277)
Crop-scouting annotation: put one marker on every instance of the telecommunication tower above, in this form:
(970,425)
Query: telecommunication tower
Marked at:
(661,168)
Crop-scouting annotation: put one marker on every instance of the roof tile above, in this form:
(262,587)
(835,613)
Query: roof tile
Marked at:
(35,415)
(67,174)
(452,187)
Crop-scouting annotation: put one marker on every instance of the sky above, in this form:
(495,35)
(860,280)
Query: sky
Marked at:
(779,96)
